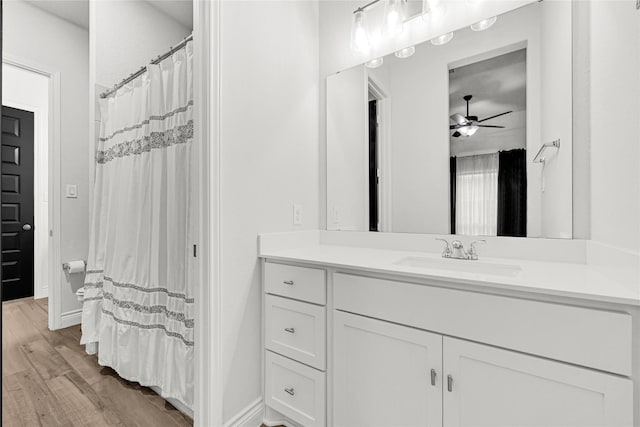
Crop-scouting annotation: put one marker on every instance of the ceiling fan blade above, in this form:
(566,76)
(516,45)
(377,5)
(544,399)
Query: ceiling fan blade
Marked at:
(458,118)
(490,126)
(451,127)
(456,134)
(472,118)
(493,117)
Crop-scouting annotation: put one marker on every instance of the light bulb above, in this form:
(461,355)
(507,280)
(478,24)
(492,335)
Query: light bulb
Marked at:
(432,9)
(359,38)
(440,40)
(468,130)
(484,24)
(406,52)
(393,24)
(374,63)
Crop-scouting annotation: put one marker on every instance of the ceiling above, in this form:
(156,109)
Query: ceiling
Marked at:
(74,11)
(77,11)
(497,85)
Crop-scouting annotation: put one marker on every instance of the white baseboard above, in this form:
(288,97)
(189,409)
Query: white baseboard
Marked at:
(176,403)
(273,418)
(251,416)
(42,292)
(70,318)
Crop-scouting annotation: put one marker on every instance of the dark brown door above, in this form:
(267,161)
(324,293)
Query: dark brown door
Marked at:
(17,203)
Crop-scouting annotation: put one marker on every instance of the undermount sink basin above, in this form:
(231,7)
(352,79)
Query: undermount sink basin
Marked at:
(461,265)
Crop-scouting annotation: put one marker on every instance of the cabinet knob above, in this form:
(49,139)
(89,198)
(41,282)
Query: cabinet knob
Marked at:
(290,330)
(449,383)
(433,377)
(290,390)
(288,282)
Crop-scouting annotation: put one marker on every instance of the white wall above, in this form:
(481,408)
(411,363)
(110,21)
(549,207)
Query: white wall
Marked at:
(41,38)
(29,91)
(614,117)
(556,119)
(269,149)
(348,149)
(128,34)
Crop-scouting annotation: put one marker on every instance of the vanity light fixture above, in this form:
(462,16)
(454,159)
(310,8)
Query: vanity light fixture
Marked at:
(359,37)
(392,26)
(484,24)
(393,19)
(406,52)
(374,63)
(440,40)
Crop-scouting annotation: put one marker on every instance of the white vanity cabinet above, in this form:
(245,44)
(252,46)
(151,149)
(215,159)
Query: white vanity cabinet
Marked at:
(384,350)
(295,342)
(501,388)
(387,375)
(480,384)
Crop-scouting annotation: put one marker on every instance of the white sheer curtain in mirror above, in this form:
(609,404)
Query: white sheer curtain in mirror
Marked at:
(477,195)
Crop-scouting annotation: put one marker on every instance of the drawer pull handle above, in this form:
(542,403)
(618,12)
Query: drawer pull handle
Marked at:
(449,383)
(291,391)
(290,330)
(288,282)
(433,377)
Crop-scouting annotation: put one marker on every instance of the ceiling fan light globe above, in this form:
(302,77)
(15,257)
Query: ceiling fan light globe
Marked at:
(468,130)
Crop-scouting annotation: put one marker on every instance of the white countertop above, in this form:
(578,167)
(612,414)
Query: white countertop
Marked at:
(537,277)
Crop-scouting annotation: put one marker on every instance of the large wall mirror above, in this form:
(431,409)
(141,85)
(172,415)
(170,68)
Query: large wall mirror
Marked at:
(470,137)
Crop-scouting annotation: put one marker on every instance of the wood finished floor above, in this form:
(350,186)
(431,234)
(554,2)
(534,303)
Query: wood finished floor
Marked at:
(49,380)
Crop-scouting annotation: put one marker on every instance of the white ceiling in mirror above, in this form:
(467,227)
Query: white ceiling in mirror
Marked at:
(498,85)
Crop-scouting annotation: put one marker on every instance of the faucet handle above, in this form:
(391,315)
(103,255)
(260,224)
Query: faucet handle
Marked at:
(473,252)
(447,250)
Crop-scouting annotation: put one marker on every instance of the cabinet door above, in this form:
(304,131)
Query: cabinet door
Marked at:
(382,374)
(495,387)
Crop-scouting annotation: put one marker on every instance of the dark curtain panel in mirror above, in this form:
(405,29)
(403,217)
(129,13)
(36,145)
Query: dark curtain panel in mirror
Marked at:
(452,192)
(512,193)
(373,165)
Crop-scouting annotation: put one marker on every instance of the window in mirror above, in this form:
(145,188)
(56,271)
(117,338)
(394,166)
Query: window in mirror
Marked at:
(488,177)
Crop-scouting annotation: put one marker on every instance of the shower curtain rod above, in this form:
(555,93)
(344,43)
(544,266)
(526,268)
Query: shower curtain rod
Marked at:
(142,70)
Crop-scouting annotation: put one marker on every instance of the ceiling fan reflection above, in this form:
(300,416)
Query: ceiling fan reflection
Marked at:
(468,125)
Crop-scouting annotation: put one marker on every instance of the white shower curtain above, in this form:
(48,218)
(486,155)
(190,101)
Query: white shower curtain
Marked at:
(139,301)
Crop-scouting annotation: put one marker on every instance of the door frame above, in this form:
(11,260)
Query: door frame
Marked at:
(381,94)
(207,266)
(53,148)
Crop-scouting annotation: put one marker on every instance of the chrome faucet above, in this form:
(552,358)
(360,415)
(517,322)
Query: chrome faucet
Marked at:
(473,252)
(446,253)
(457,251)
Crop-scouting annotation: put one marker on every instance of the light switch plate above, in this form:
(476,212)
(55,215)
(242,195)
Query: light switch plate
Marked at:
(71,191)
(297,214)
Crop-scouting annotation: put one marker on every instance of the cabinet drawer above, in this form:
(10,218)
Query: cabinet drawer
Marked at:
(296,329)
(295,390)
(301,283)
(583,336)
